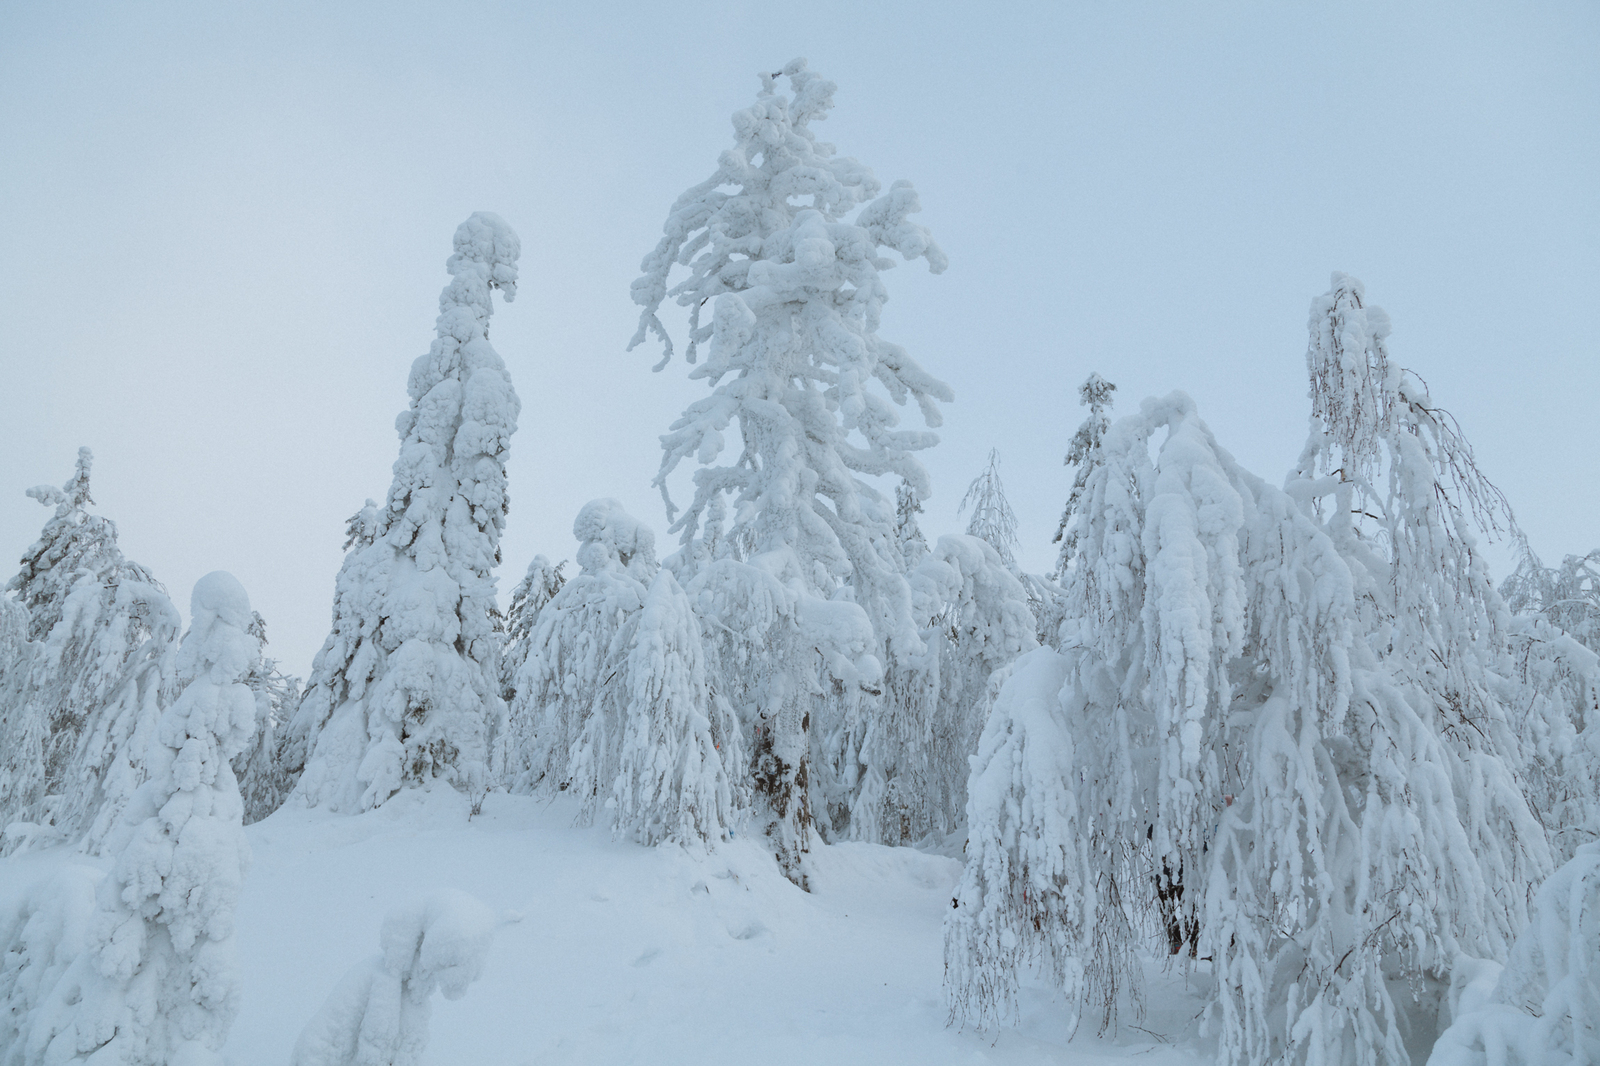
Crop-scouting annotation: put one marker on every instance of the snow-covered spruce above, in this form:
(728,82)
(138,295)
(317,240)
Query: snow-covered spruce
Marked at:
(1543,1007)
(154,980)
(1083,455)
(570,711)
(680,738)
(378,1014)
(796,297)
(83,699)
(907,531)
(1265,773)
(406,689)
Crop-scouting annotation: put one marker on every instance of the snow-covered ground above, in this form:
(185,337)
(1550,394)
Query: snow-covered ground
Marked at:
(624,954)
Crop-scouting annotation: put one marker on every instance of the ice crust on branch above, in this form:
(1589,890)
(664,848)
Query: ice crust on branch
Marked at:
(406,689)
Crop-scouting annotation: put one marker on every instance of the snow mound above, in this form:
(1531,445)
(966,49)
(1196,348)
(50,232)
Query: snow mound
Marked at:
(378,1015)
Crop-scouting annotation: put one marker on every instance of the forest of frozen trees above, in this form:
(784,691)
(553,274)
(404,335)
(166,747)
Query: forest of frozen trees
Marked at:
(1283,734)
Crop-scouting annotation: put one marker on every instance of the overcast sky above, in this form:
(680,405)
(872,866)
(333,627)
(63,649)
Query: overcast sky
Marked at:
(224,230)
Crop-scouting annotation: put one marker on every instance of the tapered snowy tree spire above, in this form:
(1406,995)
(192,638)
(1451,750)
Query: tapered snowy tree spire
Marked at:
(406,688)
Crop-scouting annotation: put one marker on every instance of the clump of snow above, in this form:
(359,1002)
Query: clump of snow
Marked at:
(378,1014)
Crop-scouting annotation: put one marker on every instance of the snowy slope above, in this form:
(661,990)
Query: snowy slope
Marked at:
(623,954)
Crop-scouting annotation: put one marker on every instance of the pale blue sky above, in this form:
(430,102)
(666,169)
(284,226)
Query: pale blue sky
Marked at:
(225,228)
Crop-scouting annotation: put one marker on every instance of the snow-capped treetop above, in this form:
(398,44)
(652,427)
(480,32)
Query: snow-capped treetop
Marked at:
(1354,386)
(609,537)
(1083,452)
(776,157)
(72,540)
(992,519)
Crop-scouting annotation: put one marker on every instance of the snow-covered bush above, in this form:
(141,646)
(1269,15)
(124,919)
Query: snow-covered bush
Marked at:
(378,1014)
(154,982)
(570,710)
(97,672)
(1267,773)
(1544,1009)
(406,689)
(796,296)
(680,738)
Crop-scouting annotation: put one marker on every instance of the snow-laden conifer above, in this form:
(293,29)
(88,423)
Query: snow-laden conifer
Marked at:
(570,710)
(98,671)
(680,737)
(795,295)
(907,531)
(406,689)
(1263,776)
(1083,453)
(378,1014)
(537,588)
(155,981)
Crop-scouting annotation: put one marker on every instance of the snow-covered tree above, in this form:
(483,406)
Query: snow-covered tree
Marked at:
(155,981)
(263,782)
(992,519)
(907,531)
(680,738)
(406,689)
(16,656)
(571,706)
(1555,639)
(98,670)
(794,282)
(1083,453)
(537,588)
(976,622)
(1258,772)
(378,1014)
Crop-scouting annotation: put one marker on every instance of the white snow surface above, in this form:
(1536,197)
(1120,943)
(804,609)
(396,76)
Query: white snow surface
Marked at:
(624,954)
